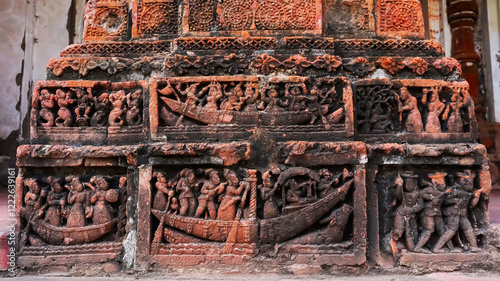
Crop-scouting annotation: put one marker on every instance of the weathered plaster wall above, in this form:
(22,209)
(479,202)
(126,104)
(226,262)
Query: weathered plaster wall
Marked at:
(31,32)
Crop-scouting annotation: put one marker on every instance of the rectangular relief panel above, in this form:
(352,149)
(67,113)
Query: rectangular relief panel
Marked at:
(211,213)
(401,18)
(156,19)
(87,111)
(231,106)
(68,216)
(254,17)
(436,213)
(106,20)
(414,110)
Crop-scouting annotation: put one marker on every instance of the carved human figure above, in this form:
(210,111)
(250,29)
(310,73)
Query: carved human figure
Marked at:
(83,108)
(408,103)
(455,212)
(47,103)
(405,216)
(56,201)
(326,183)
(165,193)
(380,120)
(452,115)
(295,192)
(79,203)
(33,198)
(294,94)
(431,216)
(101,105)
(434,107)
(250,97)
(267,191)
(227,208)
(134,102)
(213,96)
(209,189)
(117,99)
(64,100)
(102,211)
(184,186)
(232,101)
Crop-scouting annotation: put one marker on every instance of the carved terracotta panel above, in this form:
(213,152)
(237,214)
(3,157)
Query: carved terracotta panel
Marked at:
(185,105)
(155,18)
(400,18)
(421,109)
(106,20)
(202,213)
(253,16)
(81,111)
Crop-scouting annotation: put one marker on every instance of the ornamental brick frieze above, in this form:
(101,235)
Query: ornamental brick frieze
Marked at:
(258,17)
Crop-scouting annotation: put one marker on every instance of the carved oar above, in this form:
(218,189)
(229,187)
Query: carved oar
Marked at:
(155,245)
(231,237)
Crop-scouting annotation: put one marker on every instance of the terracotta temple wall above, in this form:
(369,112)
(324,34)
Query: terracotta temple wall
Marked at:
(182,133)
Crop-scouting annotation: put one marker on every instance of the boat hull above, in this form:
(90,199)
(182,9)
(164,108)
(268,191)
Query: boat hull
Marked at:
(71,236)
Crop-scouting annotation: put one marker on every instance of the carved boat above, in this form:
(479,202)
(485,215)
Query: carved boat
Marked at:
(288,226)
(272,230)
(264,118)
(71,236)
(213,230)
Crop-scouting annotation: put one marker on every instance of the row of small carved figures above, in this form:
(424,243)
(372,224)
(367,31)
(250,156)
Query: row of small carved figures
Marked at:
(435,207)
(194,193)
(375,115)
(85,200)
(79,107)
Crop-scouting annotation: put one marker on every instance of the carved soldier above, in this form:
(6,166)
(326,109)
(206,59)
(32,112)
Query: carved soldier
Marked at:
(209,189)
(408,103)
(431,217)
(64,100)
(160,202)
(405,216)
(184,186)
(456,212)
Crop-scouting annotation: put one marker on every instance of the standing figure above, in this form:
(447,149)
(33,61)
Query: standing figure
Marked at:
(160,202)
(405,216)
(431,217)
(79,203)
(435,108)
(184,186)
(456,212)
(101,105)
(227,208)
(250,97)
(134,102)
(56,200)
(33,198)
(232,101)
(103,212)
(47,103)
(64,100)
(267,191)
(210,187)
(82,110)
(117,99)
(407,102)
(452,115)
(214,95)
